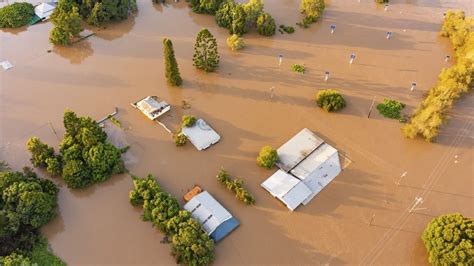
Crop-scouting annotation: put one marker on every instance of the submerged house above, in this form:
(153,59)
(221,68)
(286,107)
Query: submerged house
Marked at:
(307,164)
(201,135)
(43,11)
(152,107)
(215,219)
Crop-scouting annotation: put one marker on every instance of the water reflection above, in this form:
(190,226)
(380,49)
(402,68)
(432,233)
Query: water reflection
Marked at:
(75,53)
(116,29)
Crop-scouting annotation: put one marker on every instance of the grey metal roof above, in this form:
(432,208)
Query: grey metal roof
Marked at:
(201,135)
(297,148)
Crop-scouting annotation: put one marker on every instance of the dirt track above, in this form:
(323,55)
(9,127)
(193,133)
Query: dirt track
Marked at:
(123,63)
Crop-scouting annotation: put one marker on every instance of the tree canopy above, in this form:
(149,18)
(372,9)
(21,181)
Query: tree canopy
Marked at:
(267,157)
(16,15)
(85,155)
(27,202)
(312,11)
(66,21)
(330,100)
(449,240)
(171,66)
(206,56)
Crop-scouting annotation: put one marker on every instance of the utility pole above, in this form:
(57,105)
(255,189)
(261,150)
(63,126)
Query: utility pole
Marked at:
(371,106)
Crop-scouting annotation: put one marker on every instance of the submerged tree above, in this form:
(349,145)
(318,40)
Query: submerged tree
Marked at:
(206,56)
(253,9)
(312,10)
(171,66)
(238,25)
(66,21)
(266,25)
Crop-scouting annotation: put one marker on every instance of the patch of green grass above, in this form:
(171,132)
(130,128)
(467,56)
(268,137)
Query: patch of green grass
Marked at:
(391,109)
(43,255)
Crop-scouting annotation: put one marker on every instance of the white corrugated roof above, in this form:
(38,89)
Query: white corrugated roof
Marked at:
(297,148)
(208,211)
(287,188)
(314,161)
(150,105)
(45,10)
(201,135)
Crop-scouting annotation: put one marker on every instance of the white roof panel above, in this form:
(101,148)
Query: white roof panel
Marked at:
(280,183)
(296,196)
(201,135)
(297,148)
(315,162)
(208,211)
(45,10)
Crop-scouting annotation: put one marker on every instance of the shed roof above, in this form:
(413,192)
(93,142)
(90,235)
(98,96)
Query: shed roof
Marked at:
(45,10)
(287,188)
(208,211)
(201,135)
(297,149)
(150,105)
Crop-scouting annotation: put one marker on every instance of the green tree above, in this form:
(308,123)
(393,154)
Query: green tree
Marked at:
(266,25)
(40,152)
(188,121)
(267,157)
(66,21)
(235,42)
(224,15)
(391,109)
(253,9)
(236,186)
(191,245)
(449,240)
(312,11)
(16,15)
(206,56)
(330,100)
(15,259)
(171,66)
(206,6)
(238,25)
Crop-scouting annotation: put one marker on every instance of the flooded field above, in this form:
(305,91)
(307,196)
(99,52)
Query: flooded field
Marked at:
(123,63)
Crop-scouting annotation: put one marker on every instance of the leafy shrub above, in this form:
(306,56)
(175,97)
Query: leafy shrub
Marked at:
(330,100)
(238,25)
(287,29)
(179,138)
(85,155)
(236,187)
(381,1)
(298,68)
(253,9)
(267,157)
(16,15)
(235,42)
(266,25)
(188,121)
(206,56)
(452,82)
(391,108)
(190,244)
(449,240)
(312,11)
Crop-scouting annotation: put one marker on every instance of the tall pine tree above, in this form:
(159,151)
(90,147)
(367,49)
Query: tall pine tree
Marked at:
(205,55)
(171,66)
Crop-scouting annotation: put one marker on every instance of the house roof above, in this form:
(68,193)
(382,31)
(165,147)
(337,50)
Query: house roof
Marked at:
(297,148)
(208,211)
(150,105)
(201,135)
(45,10)
(315,161)
(287,188)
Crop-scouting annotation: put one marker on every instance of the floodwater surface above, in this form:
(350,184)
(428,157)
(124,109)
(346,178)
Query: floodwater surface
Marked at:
(124,63)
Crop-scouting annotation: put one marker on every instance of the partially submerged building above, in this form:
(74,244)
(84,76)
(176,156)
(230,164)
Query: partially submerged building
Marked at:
(307,164)
(152,107)
(201,135)
(43,11)
(215,219)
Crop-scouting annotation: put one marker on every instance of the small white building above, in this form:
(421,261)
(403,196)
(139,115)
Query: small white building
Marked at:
(201,135)
(307,165)
(214,218)
(152,107)
(44,10)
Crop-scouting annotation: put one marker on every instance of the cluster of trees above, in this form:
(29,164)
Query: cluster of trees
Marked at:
(235,42)
(68,15)
(206,57)
(449,240)
(235,186)
(27,202)
(312,11)
(452,82)
(267,157)
(171,66)
(85,156)
(190,244)
(330,100)
(186,121)
(16,15)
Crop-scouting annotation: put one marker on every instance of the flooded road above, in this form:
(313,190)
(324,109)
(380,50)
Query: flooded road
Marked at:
(124,63)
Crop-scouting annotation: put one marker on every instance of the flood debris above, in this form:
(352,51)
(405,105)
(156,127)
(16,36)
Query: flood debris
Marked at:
(6,64)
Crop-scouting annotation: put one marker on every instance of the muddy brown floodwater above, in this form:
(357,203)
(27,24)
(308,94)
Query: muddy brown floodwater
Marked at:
(123,63)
